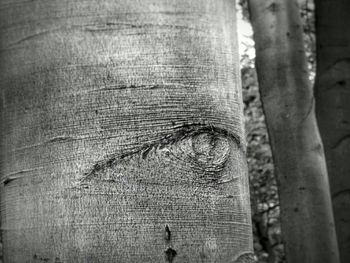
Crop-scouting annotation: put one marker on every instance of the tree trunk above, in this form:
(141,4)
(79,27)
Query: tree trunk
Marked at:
(287,97)
(332,93)
(122,132)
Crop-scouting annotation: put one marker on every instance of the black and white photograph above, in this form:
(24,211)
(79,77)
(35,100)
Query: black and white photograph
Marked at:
(174,131)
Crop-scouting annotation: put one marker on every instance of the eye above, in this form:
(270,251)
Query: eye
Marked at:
(203,156)
(210,149)
(206,154)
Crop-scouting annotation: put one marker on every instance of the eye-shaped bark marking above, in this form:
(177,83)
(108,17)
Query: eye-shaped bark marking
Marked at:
(199,150)
(210,149)
(206,153)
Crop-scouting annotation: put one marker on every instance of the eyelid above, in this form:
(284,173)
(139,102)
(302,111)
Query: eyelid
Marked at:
(195,129)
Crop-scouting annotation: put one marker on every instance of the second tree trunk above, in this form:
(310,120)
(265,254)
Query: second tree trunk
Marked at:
(306,214)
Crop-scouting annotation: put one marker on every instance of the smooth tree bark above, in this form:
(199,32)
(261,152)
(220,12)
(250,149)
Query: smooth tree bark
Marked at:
(332,92)
(306,212)
(122,132)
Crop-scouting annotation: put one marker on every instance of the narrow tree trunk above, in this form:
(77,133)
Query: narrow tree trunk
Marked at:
(306,214)
(121,132)
(332,93)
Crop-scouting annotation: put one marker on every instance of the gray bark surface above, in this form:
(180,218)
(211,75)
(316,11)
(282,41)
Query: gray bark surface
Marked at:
(332,92)
(122,132)
(306,211)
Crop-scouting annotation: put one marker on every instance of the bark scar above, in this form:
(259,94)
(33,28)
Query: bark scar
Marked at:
(170,254)
(167,233)
(15,176)
(180,133)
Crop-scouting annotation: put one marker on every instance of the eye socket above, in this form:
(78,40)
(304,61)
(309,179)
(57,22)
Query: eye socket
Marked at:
(210,148)
(206,154)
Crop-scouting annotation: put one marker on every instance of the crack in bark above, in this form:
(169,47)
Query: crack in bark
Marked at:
(15,176)
(10,179)
(121,87)
(341,141)
(109,26)
(60,139)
